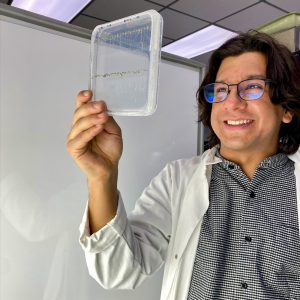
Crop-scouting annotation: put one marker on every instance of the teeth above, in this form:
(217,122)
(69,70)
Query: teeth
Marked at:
(238,122)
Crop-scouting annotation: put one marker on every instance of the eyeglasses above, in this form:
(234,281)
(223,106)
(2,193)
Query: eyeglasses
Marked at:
(248,90)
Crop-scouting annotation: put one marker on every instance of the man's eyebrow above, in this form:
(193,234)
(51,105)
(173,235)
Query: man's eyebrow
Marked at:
(254,76)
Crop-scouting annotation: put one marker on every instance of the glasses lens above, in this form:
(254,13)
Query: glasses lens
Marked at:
(215,92)
(251,89)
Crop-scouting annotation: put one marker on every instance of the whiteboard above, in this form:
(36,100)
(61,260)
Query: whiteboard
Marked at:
(42,192)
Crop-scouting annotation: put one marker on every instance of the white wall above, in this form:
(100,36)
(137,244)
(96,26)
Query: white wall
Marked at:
(42,193)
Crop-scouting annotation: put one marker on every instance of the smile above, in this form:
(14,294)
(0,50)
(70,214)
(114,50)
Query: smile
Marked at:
(238,122)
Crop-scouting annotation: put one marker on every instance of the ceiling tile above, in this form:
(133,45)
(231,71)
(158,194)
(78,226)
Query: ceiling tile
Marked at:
(177,25)
(166,41)
(289,5)
(204,58)
(163,2)
(212,10)
(251,18)
(87,22)
(116,9)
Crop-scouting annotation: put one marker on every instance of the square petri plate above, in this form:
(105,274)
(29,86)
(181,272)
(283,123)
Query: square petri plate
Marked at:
(125,56)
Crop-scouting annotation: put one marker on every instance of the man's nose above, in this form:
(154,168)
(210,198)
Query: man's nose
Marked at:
(233,100)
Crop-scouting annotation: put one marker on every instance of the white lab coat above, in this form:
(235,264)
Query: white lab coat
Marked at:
(163,228)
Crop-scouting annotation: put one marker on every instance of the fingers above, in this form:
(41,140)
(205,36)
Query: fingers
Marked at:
(87,122)
(81,140)
(88,119)
(83,97)
(112,127)
(89,109)
(83,131)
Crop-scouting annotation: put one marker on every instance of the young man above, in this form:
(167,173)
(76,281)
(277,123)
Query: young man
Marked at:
(226,224)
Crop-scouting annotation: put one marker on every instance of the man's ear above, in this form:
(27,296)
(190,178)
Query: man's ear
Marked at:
(287,116)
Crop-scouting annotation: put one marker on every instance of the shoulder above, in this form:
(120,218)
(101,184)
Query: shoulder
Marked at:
(187,166)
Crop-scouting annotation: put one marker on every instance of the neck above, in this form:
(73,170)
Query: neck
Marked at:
(248,162)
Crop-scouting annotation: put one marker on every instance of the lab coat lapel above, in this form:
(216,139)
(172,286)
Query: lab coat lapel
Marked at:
(195,203)
(296,159)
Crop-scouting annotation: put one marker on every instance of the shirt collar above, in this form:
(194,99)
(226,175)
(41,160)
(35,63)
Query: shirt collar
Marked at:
(210,157)
(274,161)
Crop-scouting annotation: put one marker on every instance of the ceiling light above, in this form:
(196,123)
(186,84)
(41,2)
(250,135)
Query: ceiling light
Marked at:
(60,10)
(199,42)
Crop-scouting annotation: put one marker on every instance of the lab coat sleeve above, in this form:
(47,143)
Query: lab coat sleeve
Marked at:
(130,248)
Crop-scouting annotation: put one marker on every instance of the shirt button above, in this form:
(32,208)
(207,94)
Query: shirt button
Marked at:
(252,194)
(176,256)
(248,238)
(244,285)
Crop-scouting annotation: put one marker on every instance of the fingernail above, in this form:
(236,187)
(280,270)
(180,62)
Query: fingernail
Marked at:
(86,93)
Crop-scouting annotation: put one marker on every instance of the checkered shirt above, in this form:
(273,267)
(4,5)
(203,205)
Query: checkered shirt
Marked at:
(249,246)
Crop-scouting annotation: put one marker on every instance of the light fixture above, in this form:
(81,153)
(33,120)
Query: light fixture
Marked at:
(63,10)
(199,42)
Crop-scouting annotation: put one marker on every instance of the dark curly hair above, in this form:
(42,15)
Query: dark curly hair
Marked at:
(282,68)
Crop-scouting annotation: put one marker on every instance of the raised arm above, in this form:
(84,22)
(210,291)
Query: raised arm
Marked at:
(95,144)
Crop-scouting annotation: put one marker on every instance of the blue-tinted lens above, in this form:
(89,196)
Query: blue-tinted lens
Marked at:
(210,97)
(251,89)
(252,96)
(215,92)
(209,93)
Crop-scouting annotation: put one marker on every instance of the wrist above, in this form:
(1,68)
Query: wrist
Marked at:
(108,177)
(103,186)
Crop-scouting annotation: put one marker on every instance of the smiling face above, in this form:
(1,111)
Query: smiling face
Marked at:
(246,127)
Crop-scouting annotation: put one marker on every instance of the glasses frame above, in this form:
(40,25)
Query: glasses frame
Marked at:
(266,80)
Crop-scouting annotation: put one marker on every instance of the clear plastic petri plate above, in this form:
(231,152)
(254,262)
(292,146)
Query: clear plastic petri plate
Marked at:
(125,56)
